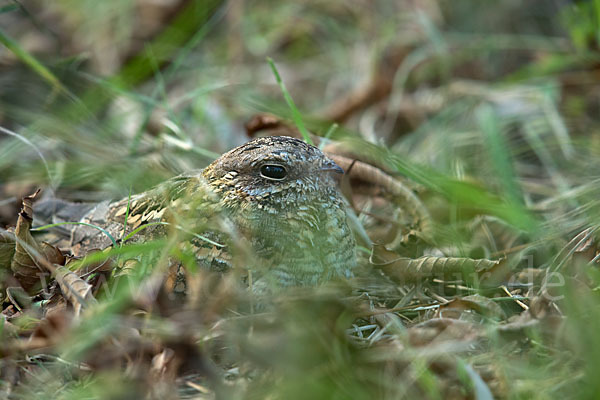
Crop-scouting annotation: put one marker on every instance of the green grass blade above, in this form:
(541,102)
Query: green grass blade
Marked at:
(498,151)
(288,98)
(328,134)
(8,8)
(31,62)
(112,239)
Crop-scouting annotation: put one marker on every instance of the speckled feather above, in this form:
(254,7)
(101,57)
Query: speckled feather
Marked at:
(295,227)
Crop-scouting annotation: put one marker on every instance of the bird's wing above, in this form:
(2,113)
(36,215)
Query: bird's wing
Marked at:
(183,204)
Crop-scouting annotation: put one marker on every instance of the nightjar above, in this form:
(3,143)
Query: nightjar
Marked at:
(271,205)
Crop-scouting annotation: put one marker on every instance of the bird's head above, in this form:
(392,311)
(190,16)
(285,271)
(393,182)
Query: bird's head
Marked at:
(276,172)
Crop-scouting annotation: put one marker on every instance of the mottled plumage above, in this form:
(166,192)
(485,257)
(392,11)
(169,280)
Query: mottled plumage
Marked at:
(273,201)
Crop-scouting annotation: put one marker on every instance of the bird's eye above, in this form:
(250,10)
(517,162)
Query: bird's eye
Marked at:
(272,171)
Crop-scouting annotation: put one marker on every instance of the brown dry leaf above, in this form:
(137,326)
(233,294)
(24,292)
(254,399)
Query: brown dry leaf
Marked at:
(32,262)
(54,324)
(270,124)
(16,346)
(7,249)
(164,366)
(574,260)
(18,297)
(176,358)
(377,89)
(584,247)
(584,241)
(520,327)
(52,254)
(533,276)
(443,329)
(477,303)
(77,291)
(25,265)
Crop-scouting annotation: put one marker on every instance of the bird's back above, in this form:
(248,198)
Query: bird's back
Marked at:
(95,226)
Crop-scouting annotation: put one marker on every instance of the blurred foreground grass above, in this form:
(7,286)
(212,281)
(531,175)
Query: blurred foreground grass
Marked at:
(490,110)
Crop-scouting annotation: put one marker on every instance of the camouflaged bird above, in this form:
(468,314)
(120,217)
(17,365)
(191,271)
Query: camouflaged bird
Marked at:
(271,202)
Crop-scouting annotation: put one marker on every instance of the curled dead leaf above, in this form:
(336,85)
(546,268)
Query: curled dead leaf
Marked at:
(398,193)
(475,303)
(52,254)
(77,291)
(412,270)
(25,263)
(443,329)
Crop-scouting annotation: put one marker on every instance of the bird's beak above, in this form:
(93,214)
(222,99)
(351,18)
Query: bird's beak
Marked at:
(330,166)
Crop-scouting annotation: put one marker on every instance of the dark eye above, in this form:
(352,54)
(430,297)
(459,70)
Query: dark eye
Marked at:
(271,171)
